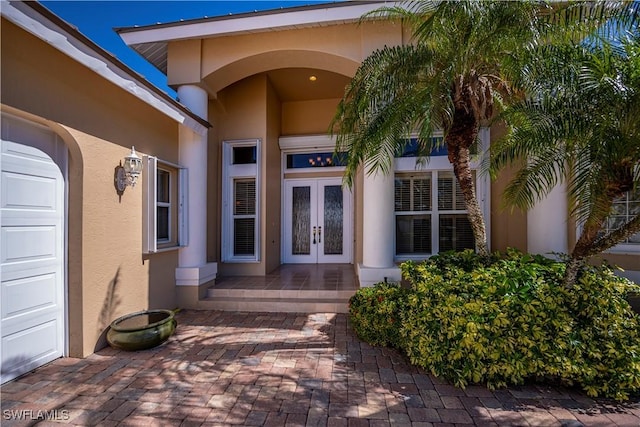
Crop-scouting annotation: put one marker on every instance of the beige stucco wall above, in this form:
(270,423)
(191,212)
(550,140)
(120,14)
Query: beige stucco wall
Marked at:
(243,115)
(508,226)
(308,117)
(107,274)
(272,166)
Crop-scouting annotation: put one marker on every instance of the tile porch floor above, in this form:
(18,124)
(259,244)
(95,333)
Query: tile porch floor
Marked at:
(301,277)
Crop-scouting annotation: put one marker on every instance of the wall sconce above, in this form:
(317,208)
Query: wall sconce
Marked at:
(128,173)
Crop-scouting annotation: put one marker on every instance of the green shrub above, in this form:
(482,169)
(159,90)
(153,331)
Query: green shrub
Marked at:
(497,324)
(374,313)
(508,320)
(605,339)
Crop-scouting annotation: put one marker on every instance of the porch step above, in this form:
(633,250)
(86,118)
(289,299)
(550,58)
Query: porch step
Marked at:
(270,301)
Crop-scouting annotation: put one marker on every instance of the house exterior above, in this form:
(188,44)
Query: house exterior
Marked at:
(272,81)
(71,248)
(238,175)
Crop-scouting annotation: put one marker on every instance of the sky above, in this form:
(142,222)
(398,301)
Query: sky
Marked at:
(97,19)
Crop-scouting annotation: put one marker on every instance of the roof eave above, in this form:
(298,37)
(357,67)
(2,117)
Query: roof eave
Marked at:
(274,20)
(44,24)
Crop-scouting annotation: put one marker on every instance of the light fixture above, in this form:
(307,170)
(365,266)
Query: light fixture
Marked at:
(312,78)
(129,171)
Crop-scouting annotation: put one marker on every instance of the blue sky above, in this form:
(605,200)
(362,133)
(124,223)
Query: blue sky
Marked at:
(96,20)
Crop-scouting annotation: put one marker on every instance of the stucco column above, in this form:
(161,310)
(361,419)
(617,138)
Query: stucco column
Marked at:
(547,223)
(193,269)
(378,230)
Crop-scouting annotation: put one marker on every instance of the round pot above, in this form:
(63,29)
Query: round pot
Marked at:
(141,330)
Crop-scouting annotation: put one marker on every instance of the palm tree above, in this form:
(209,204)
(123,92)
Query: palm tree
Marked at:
(580,125)
(449,79)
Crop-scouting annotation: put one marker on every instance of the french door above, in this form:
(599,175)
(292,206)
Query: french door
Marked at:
(318,221)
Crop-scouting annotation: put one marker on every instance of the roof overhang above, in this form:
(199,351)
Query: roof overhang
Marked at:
(151,41)
(51,29)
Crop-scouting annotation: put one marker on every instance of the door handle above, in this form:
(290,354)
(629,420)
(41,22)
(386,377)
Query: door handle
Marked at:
(314,235)
(319,234)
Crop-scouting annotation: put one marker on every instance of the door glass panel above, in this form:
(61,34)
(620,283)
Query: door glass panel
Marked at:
(301,221)
(333,213)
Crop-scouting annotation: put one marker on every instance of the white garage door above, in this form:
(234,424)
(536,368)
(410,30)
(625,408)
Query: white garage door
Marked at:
(32,269)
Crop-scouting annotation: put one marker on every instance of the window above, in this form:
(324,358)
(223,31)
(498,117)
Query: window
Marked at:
(240,215)
(625,209)
(430,213)
(163,206)
(430,219)
(244,155)
(164,200)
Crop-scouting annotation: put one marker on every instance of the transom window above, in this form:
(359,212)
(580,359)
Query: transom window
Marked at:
(315,160)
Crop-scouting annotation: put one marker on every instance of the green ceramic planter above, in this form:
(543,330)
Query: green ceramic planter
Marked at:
(141,330)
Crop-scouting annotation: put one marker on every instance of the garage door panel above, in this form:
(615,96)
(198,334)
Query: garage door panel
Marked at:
(34,141)
(30,319)
(29,243)
(28,192)
(30,348)
(31,246)
(29,294)
(21,218)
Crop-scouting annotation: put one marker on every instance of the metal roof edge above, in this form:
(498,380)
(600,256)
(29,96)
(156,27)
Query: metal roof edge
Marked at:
(296,17)
(318,6)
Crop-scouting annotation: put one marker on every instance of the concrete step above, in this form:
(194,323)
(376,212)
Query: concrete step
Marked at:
(273,301)
(276,305)
(214,292)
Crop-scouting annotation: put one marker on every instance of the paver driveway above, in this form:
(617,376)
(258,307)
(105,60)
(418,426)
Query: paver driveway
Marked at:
(259,369)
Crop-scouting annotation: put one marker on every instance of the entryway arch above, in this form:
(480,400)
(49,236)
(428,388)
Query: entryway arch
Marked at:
(235,71)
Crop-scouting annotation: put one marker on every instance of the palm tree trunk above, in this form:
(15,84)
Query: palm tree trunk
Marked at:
(461,136)
(571,271)
(584,247)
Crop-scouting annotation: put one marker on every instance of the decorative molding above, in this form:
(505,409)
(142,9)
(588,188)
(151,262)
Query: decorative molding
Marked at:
(308,142)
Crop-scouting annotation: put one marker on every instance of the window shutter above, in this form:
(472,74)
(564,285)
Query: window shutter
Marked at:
(245,197)
(149,214)
(455,233)
(422,194)
(450,197)
(403,194)
(244,223)
(446,185)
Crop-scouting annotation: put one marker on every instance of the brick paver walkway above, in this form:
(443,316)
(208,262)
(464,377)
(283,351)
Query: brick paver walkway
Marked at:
(279,370)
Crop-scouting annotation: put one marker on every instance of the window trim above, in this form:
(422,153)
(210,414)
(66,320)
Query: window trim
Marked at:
(150,242)
(230,173)
(413,165)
